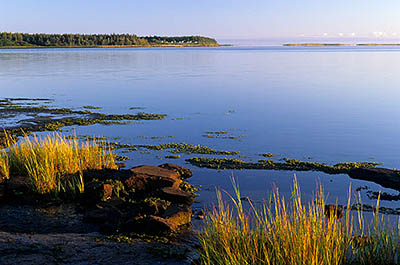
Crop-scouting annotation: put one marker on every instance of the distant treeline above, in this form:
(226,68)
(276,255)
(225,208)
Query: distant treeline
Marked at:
(73,40)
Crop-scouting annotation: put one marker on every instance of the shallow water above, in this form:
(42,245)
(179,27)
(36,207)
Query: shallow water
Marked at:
(330,104)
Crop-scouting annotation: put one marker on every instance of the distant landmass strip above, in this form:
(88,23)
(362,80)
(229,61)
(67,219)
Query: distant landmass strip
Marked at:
(21,40)
(316,44)
(339,44)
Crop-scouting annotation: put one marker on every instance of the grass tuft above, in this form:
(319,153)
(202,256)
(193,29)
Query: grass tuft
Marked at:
(293,233)
(53,163)
(4,166)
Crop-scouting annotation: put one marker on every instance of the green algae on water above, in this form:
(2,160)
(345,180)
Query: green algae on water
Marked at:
(172,156)
(288,164)
(173,148)
(62,117)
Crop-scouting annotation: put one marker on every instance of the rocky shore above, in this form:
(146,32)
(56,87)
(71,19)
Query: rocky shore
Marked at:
(104,222)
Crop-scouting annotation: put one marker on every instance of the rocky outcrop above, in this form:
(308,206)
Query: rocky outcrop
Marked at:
(149,199)
(183,172)
(96,191)
(387,178)
(177,195)
(178,214)
(146,199)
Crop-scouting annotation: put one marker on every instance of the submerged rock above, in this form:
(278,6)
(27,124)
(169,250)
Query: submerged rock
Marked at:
(387,178)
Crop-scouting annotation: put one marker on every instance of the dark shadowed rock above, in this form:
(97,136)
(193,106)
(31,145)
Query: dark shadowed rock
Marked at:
(333,211)
(112,203)
(103,174)
(103,215)
(177,196)
(178,214)
(150,225)
(183,172)
(97,191)
(154,206)
(154,224)
(2,191)
(18,185)
(120,165)
(388,178)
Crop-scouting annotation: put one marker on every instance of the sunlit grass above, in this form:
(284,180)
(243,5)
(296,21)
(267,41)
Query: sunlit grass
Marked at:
(53,163)
(294,233)
(4,166)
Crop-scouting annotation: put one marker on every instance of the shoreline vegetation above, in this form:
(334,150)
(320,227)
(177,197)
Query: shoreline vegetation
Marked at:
(10,40)
(53,164)
(292,232)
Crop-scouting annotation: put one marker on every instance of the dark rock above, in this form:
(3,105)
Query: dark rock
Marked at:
(149,225)
(177,196)
(103,174)
(18,185)
(155,171)
(154,206)
(178,214)
(120,165)
(333,211)
(112,203)
(103,215)
(150,183)
(183,172)
(107,228)
(97,191)
(2,191)
(387,178)
(154,225)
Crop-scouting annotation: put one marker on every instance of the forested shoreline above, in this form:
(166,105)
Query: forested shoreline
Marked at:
(8,39)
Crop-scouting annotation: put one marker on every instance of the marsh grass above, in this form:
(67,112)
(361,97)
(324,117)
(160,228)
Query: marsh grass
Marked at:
(53,163)
(291,232)
(4,166)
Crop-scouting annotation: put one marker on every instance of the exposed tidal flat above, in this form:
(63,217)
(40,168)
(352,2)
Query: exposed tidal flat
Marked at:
(235,108)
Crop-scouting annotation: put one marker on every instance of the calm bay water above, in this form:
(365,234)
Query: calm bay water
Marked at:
(336,104)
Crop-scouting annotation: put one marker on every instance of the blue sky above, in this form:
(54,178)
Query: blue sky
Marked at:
(221,19)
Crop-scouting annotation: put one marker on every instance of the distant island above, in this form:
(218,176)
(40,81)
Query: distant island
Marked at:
(41,40)
(378,44)
(316,44)
(338,44)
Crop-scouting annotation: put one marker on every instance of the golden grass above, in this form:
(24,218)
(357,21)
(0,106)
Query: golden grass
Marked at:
(4,166)
(291,233)
(53,163)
